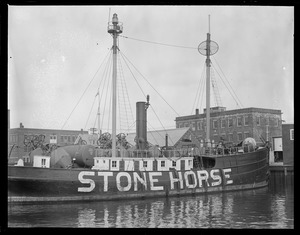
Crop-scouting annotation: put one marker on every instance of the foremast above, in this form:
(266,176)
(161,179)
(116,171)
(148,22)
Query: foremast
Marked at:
(114,28)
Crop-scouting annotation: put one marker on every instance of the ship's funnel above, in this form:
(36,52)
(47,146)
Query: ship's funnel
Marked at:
(141,124)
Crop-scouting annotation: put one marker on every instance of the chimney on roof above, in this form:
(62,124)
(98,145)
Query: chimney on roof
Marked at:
(197,111)
(21,125)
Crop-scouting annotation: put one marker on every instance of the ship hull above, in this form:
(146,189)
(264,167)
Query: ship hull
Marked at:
(234,172)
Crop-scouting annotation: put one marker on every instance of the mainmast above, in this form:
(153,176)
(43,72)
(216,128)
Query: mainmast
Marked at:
(114,28)
(208,48)
(208,87)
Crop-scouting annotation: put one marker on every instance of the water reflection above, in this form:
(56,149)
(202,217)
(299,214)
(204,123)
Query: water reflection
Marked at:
(270,207)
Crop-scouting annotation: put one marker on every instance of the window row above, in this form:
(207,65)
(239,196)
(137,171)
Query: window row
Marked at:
(240,121)
(67,138)
(230,137)
(239,136)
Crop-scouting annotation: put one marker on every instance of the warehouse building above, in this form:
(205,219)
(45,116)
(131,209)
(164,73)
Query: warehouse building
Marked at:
(235,125)
(20,139)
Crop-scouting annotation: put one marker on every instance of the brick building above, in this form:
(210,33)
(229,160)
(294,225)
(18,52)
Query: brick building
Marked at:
(234,125)
(17,136)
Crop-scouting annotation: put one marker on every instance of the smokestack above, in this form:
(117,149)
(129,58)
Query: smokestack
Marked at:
(141,124)
(197,111)
(166,141)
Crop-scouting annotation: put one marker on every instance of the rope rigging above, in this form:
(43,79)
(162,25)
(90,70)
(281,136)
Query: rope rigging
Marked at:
(123,97)
(214,84)
(84,92)
(237,98)
(108,74)
(200,85)
(158,43)
(104,78)
(150,84)
(231,92)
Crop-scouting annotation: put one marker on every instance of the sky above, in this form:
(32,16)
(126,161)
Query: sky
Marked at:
(58,56)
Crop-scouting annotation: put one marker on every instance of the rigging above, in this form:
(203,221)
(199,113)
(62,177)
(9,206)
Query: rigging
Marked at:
(158,43)
(84,92)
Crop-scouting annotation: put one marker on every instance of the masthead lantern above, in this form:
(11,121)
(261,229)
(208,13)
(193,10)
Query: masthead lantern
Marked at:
(114,26)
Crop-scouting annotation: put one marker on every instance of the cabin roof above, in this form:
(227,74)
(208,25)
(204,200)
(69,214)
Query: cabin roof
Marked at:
(159,137)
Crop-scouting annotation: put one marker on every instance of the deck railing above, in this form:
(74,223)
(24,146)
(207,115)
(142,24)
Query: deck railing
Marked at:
(175,153)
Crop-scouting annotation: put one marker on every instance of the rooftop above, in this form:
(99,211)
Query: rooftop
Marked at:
(159,137)
(223,111)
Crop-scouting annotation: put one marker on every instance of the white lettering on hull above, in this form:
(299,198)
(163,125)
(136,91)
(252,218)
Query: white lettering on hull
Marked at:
(86,181)
(135,181)
(152,181)
(186,176)
(202,175)
(121,188)
(227,176)
(215,177)
(137,178)
(174,180)
(105,174)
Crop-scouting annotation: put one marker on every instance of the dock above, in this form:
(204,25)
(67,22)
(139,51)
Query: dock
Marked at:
(280,167)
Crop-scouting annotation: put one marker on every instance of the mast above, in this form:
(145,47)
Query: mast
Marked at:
(208,48)
(208,89)
(114,28)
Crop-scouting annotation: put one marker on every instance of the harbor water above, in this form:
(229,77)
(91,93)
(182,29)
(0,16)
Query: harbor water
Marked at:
(268,207)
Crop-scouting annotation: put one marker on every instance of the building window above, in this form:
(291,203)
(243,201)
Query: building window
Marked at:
(69,138)
(180,125)
(215,124)
(174,163)
(246,121)
(190,163)
(258,121)
(223,137)
(230,137)
(230,122)
(14,138)
(239,121)
(43,162)
(291,134)
(199,125)
(276,121)
(162,163)
(246,134)
(61,138)
(240,136)
(193,126)
(73,138)
(114,164)
(145,164)
(223,123)
(186,125)
(53,139)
